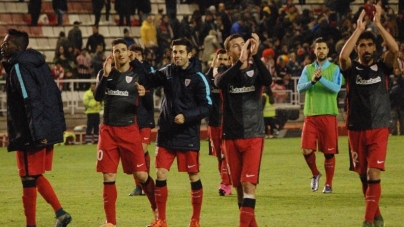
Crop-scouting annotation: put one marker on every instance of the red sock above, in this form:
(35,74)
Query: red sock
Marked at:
(160,195)
(329,165)
(29,195)
(148,188)
(225,173)
(47,192)
(110,194)
(311,162)
(246,215)
(372,199)
(196,199)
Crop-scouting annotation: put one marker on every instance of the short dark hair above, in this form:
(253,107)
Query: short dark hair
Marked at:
(136,47)
(319,40)
(367,35)
(230,38)
(184,42)
(19,38)
(221,51)
(118,41)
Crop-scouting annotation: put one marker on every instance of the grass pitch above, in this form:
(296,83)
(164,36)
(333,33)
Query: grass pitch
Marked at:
(284,197)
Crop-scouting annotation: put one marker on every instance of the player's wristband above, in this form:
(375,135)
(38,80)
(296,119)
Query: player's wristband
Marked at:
(318,78)
(313,82)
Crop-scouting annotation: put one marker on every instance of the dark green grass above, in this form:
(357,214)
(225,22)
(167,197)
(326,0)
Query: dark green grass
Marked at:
(284,197)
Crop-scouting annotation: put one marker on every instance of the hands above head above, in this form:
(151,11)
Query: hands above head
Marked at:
(140,89)
(377,14)
(107,66)
(360,24)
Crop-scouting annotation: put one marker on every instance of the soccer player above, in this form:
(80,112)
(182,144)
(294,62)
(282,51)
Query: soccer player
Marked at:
(321,80)
(221,63)
(368,109)
(35,122)
(185,103)
(119,136)
(145,113)
(243,122)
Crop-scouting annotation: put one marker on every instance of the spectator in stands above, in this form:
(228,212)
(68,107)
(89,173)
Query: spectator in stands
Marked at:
(175,25)
(391,23)
(210,44)
(58,74)
(206,26)
(74,36)
(62,41)
(268,60)
(237,27)
(97,8)
(157,17)
(97,60)
(164,35)
(94,40)
(291,11)
(185,28)
(148,33)
(397,105)
(171,7)
(224,11)
(126,36)
(34,8)
(124,8)
(60,8)
(83,69)
(284,74)
(63,59)
(92,110)
(143,8)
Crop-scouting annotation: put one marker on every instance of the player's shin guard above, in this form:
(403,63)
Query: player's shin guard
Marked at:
(148,188)
(47,192)
(161,194)
(329,166)
(372,199)
(196,199)
(29,195)
(365,188)
(247,212)
(110,194)
(311,162)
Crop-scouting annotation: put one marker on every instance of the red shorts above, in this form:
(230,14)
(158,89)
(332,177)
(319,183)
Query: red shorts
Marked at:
(35,162)
(244,159)
(123,143)
(215,141)
(187,161)
(368,149)
(321,131)
(145,134)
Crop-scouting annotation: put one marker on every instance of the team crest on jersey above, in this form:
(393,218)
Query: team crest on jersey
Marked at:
(374,67)
(250,73)
(187,82)
(128,79)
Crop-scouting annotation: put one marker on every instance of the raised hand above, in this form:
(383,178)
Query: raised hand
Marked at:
(377,14)
(255,43)
(245,51)
(140,89)
(361,24)
(107,66)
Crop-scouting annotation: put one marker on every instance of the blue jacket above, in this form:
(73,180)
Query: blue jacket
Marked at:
(34,104)
(186,92)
